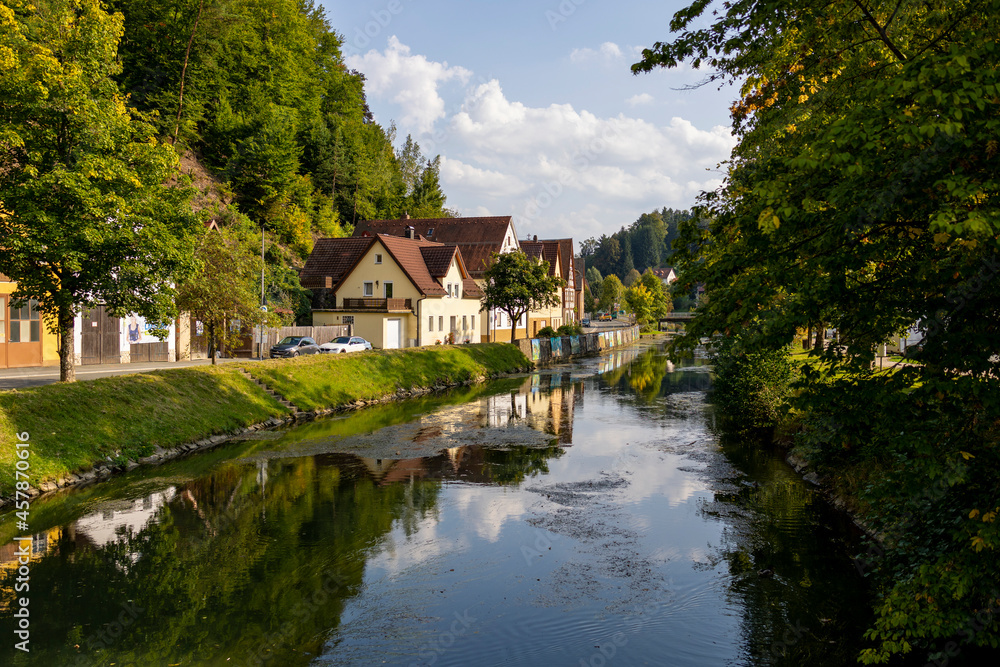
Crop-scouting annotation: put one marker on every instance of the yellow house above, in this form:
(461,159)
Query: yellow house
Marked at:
(24,339)
(394,291)
(477,238)
(551,316)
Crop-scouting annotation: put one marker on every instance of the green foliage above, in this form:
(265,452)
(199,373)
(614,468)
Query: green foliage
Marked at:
(612,294)
(84,215)
(863,194)
(573,329)
(546,332)
(515,284)
(639,302)
(644,244)
(662,305)
(631,277)
(751,388)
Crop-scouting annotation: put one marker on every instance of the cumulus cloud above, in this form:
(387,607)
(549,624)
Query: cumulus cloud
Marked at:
(608,51)
(640,99)
(412,81)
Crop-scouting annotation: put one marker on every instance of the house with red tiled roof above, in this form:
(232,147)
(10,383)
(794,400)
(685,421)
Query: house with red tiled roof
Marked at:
(396,291)
(666,276)
(477,238)
(559,254)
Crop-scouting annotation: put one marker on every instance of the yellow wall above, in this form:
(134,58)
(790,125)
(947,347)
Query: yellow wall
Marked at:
(50,341)
(373,326)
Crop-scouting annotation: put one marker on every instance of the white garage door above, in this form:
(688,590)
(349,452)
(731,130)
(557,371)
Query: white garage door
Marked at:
(393,333)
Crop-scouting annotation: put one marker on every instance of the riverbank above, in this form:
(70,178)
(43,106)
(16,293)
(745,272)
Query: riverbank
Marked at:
(85,431)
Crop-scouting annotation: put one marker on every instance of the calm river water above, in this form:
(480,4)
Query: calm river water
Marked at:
(585,515)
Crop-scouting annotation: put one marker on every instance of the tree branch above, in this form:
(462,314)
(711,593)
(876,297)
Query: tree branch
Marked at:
(881,30)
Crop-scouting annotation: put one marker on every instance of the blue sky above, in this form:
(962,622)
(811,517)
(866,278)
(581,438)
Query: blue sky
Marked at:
(534,110)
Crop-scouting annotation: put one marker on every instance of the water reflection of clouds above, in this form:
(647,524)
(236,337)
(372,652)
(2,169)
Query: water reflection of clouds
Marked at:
(131,516)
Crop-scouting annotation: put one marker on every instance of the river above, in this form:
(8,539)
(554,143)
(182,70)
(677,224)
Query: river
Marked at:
(587,514)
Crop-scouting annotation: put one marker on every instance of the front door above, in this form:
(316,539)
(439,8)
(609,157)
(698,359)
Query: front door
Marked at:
(100,338)
(392,334)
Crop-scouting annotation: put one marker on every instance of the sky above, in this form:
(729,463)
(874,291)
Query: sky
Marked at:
(534,110)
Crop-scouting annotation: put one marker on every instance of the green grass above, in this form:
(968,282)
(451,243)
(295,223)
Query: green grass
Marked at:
(126,417)
(324,381)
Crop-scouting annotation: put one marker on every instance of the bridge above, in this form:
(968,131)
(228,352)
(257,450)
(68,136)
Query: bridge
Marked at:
(677,318)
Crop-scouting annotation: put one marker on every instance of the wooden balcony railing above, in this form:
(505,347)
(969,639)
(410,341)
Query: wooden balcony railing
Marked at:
(378,305)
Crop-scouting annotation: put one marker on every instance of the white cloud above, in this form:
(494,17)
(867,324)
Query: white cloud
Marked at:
(608,51)
(412,81)
(640,99)
(560,170)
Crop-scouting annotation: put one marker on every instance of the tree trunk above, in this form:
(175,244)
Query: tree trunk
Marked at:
(513,327)
(820,328)
(67,352)
(809,336)
(187,55)
(211,341)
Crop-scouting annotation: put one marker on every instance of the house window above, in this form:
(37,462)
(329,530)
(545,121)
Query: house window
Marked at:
(458,290)
(388,290)
(25,326)
(378,258)
(465,323)
(453,320)
(473,322)
(368,289)
(348,319)
(430,232)
(440,322)
(448,287)
(430,323)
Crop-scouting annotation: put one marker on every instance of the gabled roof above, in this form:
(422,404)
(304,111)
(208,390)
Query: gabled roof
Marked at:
(331,260)
(477,238)
(547,250)
(424,262)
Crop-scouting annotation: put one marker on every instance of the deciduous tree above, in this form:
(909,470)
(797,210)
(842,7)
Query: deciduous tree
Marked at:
(87,217)
(515,284)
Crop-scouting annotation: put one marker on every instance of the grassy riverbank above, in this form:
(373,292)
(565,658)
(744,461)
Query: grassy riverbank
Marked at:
(127,417)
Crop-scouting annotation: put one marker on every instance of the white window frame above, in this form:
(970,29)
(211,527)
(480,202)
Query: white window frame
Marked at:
(378,258)
(368,289)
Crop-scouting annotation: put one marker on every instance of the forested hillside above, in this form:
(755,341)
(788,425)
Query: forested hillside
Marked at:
(646,243)
(271,130)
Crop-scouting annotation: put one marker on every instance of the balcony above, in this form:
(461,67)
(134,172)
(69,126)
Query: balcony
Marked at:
(377,305)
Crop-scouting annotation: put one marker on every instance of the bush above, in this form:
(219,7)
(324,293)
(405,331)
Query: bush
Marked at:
(752,388)
(573,329)
(546,332)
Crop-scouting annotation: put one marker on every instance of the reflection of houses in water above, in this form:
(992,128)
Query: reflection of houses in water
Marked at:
(41,544)
(123,516)
(544,402)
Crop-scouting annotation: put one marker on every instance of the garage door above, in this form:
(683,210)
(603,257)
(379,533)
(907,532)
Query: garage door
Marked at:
(393,333)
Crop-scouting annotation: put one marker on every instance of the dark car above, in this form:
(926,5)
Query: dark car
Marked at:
(293,346)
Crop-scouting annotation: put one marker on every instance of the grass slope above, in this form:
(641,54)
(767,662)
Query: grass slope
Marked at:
(126,417)
(324,381)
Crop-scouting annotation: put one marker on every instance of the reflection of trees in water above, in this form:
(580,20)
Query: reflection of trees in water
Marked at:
(652,375)
(225,565)
(780,547)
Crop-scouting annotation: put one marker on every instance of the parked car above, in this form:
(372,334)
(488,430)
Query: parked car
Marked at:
(346,344)
(585,322)
(293,346)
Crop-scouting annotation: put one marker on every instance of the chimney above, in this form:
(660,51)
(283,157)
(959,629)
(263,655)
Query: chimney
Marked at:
(410,232)
(406,216)
(536,238)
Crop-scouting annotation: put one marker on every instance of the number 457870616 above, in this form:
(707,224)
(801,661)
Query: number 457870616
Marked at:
(21,468)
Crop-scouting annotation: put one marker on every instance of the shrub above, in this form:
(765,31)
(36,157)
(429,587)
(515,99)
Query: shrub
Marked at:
(751,388)
(546,332)
(573,329)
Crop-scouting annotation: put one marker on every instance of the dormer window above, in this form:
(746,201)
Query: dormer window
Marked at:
(378,258)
